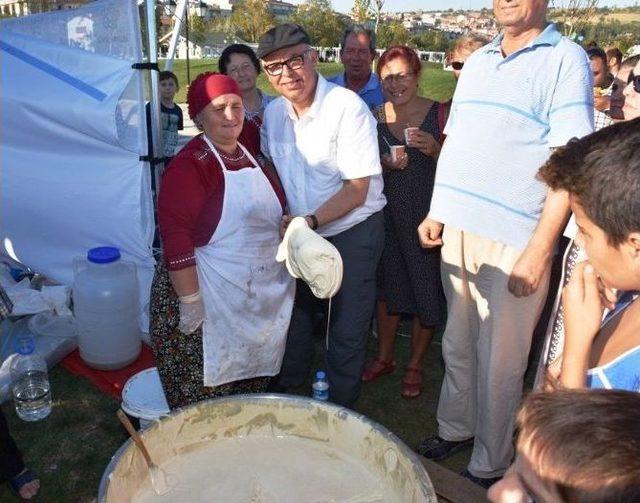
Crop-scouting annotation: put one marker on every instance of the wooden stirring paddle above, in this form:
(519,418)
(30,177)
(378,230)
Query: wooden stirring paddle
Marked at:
(159,480)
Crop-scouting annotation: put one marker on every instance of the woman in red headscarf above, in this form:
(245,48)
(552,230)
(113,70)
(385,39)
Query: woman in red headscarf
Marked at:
(220,303)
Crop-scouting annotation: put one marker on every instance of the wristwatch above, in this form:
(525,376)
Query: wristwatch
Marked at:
(314,221)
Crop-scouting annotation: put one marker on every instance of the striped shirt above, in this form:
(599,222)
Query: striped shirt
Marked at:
(507,113)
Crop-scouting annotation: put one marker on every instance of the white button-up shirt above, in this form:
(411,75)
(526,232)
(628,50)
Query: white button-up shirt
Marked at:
(335,140)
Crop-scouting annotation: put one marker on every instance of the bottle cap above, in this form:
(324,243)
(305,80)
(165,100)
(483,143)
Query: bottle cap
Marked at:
(103,255)
(320,375)
(25,345)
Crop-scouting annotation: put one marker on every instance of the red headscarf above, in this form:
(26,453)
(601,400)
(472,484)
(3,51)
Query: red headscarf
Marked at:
(206,87)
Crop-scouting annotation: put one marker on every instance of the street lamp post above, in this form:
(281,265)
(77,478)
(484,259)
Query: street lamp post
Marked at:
(186,33)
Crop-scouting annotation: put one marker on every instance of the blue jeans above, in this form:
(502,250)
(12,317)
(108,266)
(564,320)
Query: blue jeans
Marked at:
(351,312)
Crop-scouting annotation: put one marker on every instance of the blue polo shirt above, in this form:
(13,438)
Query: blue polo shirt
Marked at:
(371,93)
(506,116)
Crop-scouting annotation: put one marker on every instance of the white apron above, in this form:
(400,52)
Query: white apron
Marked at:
(247,295)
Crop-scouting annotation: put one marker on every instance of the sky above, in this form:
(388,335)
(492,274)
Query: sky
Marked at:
(407,5)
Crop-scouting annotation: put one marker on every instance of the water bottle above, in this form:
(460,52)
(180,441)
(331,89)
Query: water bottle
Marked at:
(30,382)
(320,387)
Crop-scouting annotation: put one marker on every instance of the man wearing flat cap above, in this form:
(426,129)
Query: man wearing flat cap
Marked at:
(322,141)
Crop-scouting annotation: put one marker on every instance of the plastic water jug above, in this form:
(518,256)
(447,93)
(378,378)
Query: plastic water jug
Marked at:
(105,299)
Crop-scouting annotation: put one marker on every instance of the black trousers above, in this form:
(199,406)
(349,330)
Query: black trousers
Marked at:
(11,463)
(351,313)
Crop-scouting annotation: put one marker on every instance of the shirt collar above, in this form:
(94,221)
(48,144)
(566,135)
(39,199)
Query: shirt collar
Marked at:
(549,36)
(372,84)
(321,90)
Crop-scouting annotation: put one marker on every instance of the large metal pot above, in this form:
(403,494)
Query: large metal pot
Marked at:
(381,453)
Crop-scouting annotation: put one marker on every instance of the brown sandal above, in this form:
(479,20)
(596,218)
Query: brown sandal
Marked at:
(377,368)
(412,382)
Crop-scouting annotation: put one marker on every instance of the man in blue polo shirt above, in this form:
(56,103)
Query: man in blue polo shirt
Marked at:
(520,96)
(357,53)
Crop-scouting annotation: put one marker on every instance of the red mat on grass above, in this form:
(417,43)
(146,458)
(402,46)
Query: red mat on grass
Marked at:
(110,382)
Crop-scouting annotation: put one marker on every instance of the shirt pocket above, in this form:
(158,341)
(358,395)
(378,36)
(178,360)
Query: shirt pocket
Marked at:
(280,150)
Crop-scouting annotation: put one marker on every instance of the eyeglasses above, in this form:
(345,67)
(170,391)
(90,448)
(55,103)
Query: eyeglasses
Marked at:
(457,65)
(398,77)
(635,80)
(234,70)
(293,63)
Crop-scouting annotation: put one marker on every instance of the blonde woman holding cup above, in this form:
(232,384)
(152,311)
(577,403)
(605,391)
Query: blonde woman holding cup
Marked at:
(408,275)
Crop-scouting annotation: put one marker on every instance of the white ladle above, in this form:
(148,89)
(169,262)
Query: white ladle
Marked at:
(159,481)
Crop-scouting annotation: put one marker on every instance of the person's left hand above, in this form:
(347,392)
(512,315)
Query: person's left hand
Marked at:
(424,142)
(528,272)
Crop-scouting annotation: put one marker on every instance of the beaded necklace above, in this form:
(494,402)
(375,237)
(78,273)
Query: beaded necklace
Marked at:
(229,158)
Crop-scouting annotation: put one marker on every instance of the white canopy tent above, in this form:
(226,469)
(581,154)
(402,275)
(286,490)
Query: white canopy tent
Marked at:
(71,139)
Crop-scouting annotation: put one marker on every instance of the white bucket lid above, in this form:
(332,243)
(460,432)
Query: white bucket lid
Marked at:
(143,396)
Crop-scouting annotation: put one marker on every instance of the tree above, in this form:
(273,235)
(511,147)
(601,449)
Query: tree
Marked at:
(393,33)
(576,15)
(252,18)
(197,25)
(323,25)
(376,10)
(432,40)
(361,11)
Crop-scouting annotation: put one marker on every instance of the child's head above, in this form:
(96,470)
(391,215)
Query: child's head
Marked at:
(601,173)
(576,446)
(168,84)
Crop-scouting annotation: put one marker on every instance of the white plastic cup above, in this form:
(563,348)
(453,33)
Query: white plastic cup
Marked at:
(396,151)
(407,132)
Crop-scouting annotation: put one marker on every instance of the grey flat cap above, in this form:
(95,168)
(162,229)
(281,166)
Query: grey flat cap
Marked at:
(281,36)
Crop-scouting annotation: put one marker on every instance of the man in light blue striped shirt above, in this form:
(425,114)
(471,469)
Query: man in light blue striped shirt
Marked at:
(518,97)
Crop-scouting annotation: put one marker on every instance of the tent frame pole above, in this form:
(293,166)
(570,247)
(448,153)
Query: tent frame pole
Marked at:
(179,16)
(154,99)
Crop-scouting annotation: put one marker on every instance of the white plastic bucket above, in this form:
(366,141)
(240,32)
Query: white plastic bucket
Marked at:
(143,397)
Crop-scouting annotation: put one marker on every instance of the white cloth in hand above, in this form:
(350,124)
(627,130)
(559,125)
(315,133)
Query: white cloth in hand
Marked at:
(191,313)
(312,258)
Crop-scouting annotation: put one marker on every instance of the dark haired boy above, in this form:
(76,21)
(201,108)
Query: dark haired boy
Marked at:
(170,114)
(171,120)
(602,80)
(601,173)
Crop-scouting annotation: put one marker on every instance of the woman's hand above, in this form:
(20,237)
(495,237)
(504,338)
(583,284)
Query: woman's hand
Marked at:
(284,223)
(191,313)
(398,165)
(424,142)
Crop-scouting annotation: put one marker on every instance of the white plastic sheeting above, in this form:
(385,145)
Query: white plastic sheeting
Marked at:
(71,134)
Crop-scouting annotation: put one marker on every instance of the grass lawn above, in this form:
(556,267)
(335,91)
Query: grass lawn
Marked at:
(71,448)
(435,82)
